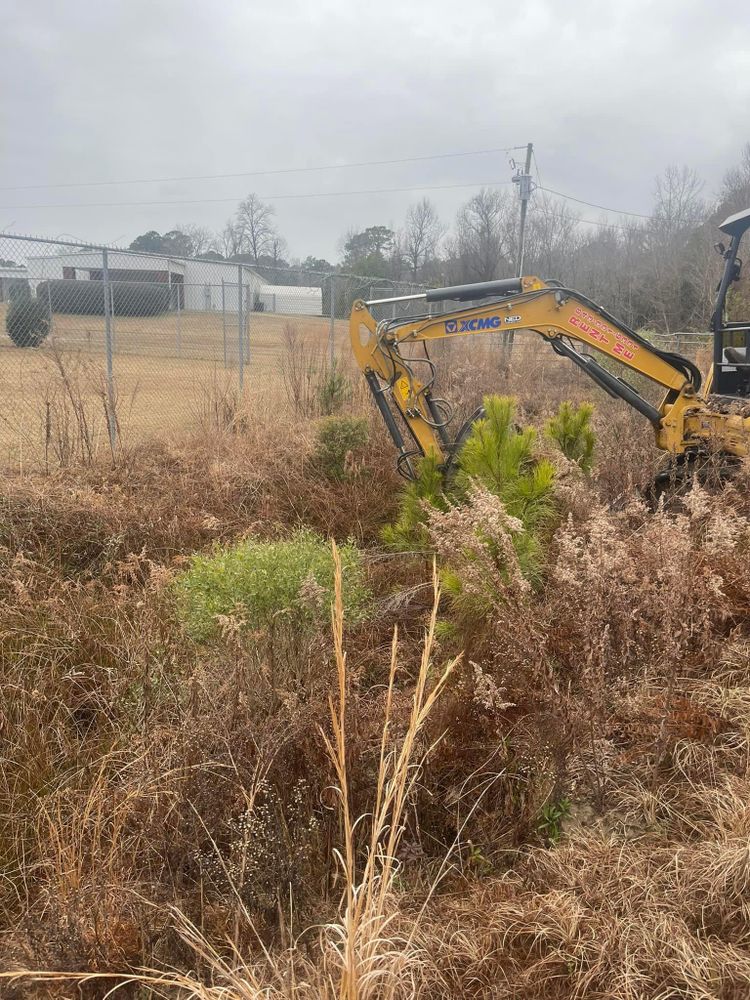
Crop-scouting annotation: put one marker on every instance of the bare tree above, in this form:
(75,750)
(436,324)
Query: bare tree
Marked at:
(673,248)
(231,239)
(553,238)
(735,190)
(201,238)
(678,205)
(255,227)
(421,235)
(485,238)
(278,250)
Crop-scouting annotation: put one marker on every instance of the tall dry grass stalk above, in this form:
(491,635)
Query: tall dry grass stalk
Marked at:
(220,407)
(361,955)
(362,947)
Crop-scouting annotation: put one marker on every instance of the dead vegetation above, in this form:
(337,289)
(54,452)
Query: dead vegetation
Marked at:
(561,811)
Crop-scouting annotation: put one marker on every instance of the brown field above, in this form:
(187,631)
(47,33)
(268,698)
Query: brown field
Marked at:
(168,370)
(164,370)
(207,801)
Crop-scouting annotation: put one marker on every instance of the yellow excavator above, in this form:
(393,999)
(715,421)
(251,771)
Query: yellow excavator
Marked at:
(695,417)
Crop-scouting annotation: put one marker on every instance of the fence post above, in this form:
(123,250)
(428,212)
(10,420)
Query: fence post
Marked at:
(112,317)
(223,322)
(248,309)
(49,308)
(179,331)
(111,422)
(240,328)
(331,330)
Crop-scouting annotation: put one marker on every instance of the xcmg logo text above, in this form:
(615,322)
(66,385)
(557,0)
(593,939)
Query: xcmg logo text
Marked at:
(472,325)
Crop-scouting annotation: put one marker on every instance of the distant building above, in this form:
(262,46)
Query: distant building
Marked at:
(194,284)
(11,276)
(292,299)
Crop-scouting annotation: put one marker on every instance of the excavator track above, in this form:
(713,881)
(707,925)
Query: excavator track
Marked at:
(711,470)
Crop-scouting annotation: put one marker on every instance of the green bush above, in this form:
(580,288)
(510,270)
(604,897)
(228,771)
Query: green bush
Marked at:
(501,459)
(336,439)
(571,431)
(408,533)
(27,321)
(86,298)
(266,585)
(334,391)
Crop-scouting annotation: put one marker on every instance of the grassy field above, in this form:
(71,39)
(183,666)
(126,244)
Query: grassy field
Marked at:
(164,370)
(168,369)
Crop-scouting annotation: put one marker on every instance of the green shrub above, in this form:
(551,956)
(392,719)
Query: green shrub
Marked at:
(266,585)
(571,431)
(86,298)
(502,459)
(408,533)
(334,391)
(27,321)
(496,455)
(336,438)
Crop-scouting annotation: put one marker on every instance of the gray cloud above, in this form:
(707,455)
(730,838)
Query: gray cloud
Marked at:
(610,94)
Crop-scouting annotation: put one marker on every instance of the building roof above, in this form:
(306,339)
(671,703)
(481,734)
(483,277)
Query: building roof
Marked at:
(117,258)
(92,258)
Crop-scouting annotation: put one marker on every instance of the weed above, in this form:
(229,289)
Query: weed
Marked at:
(266,585)
(338,440)
(551,820)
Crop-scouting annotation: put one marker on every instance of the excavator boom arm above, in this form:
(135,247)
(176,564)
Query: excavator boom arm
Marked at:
(562,317)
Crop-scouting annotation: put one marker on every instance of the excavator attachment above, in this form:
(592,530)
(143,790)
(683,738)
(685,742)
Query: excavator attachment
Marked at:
(693,418)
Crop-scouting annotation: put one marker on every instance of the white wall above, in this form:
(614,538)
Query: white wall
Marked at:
(293,300)
(51,268)
(203,291)
(202,280)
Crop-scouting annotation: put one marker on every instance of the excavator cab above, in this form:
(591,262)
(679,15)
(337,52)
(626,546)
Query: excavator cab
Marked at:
(731,354)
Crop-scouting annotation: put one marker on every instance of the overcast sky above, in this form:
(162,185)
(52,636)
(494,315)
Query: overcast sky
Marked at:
(110,90)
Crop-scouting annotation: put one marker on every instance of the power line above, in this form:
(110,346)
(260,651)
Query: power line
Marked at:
(536,168)
(603,225)
(587,222)
(591,204)
(263,173)
(265,197)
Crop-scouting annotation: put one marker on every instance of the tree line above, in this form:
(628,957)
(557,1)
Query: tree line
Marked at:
(657,272)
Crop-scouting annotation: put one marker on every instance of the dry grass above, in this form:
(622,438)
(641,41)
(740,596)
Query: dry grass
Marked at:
(560,814)
(161,376)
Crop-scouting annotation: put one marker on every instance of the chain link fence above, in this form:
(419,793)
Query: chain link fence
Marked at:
(101,346)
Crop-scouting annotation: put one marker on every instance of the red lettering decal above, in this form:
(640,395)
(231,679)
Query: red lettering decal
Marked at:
(621,351)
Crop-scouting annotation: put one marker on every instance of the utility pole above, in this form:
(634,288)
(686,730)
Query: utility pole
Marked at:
(523,180)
